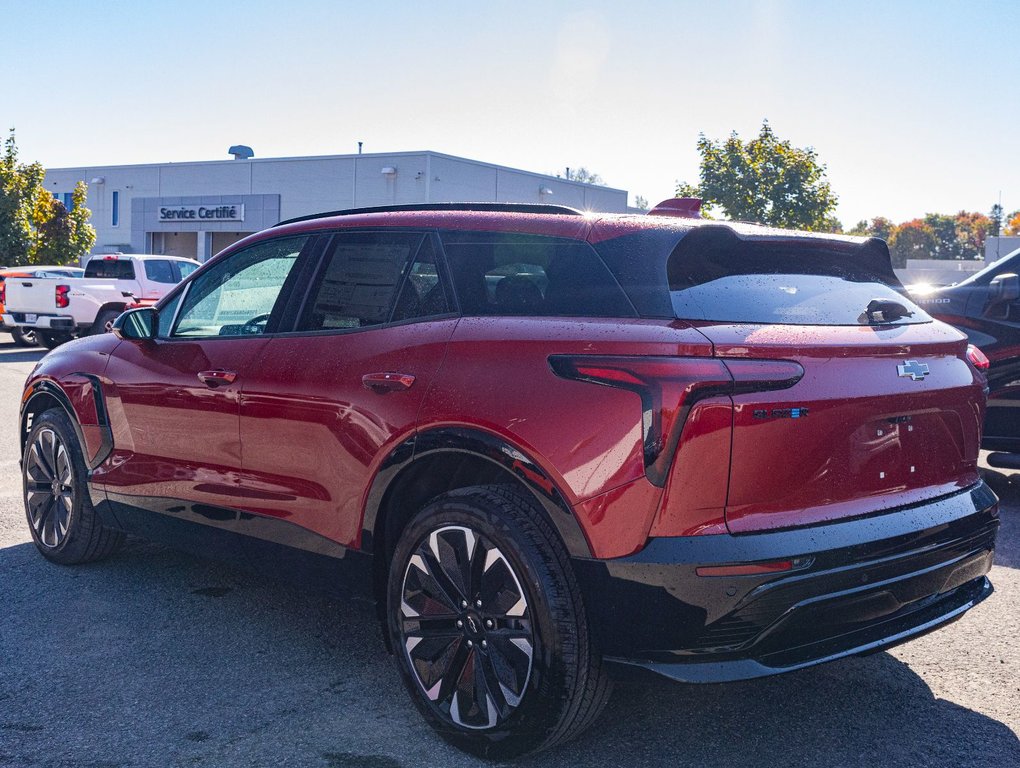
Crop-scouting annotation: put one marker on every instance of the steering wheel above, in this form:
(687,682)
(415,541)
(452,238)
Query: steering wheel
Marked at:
(256,325)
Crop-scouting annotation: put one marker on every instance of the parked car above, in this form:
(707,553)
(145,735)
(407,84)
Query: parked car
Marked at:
(986,307)
(24,337)
(550,444)
(58,308)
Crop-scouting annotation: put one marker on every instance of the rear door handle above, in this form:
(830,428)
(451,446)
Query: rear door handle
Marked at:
(384,382)
(216,378)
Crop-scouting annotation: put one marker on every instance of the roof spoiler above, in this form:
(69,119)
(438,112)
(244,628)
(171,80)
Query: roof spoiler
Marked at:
(680,207)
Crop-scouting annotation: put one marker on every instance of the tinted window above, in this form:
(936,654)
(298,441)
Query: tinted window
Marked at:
(508,274)
(423,291)
(358,283)
(166,316)
(237,295)
(715,276)
(110,269)
(185,268)
(160,271)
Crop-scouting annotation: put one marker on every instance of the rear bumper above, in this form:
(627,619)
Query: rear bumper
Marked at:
(872,583)
(41,322)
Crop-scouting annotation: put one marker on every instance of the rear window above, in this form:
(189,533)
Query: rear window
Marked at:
(721,278)
(110,269)
(510,274)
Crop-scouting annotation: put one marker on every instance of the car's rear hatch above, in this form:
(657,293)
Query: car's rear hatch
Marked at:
(888,411)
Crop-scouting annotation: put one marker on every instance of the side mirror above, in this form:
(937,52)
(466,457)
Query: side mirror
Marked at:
(140,323)
(1004,288)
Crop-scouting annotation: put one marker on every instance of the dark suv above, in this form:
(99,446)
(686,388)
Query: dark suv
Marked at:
(552,444)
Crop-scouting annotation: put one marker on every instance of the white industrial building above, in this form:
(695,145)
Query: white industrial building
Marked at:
(198,208)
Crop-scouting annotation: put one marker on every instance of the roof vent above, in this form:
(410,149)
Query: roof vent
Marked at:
(241,152)
(681,207)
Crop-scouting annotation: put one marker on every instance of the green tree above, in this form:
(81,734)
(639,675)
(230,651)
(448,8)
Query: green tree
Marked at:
(765,180)
(996,217)
(641,202)
(972,229)
(943,228)
(35,228)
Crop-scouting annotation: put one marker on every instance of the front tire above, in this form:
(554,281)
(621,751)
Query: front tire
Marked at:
(63,523)
(488,626)
(23,337)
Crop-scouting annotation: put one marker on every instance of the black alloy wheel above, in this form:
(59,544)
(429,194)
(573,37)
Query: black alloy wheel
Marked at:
(488,627)
(64,525)
(466,627)
(49,488)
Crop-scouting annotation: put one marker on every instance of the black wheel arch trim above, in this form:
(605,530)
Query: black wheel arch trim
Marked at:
(483,445)
(46,387)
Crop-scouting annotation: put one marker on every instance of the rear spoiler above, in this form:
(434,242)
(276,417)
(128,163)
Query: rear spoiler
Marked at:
(747,248)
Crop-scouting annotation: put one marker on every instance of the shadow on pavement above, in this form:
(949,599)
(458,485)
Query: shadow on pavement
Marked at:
(157,658)
(12,354)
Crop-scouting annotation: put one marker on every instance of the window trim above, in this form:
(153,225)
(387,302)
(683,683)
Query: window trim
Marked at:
(306,254)
(296,313)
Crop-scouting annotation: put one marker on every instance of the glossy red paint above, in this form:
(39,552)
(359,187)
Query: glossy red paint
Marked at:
(299,434)
(314,436)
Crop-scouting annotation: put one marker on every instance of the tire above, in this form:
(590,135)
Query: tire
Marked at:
(23,337)
(104,321)
(52,340)
(63,523)
(516,624)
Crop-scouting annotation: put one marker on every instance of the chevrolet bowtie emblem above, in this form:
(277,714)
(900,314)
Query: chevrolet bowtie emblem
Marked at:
(915,370)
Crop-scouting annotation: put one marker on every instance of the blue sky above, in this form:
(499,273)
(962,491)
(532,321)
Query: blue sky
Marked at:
(913,106)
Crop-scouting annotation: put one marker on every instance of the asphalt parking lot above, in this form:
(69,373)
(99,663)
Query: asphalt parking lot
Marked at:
(156,658)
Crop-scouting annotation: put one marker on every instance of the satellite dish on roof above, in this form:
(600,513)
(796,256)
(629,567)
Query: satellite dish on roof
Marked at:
(241,152)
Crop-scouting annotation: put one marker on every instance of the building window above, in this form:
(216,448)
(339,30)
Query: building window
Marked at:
(68,202)
(115,205)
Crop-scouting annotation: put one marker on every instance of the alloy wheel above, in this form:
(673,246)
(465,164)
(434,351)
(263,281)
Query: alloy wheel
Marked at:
(466,627)
(49,488)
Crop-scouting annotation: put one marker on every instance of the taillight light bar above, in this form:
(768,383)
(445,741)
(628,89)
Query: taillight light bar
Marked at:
(669,386)
(61,296)
(978,358)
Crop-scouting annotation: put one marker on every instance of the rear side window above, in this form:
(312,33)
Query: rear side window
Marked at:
(160,271)
(110,269)
(718,277)
(509,274)
(372,278)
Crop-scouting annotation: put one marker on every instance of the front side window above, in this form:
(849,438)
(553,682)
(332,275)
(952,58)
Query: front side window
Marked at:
(510,274)
(372,278)
(236,297)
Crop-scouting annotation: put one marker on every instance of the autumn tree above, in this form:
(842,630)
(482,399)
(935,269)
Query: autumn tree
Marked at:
(36,228)
(766,180)
(912,240)
(1012,224)
(582,175)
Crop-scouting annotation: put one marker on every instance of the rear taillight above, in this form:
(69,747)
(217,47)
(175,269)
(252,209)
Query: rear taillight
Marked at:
(977,358)
(62,299)
(669,386)
(3,292)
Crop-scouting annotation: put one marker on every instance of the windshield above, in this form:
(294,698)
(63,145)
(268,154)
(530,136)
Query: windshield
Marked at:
(1008,263)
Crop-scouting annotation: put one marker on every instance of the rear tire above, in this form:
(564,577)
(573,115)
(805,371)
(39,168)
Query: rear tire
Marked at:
(489,628)
(52,340)
(23,337)
(104,321)
(63,523)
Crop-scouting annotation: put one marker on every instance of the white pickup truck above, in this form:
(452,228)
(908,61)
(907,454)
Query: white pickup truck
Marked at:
(58,309)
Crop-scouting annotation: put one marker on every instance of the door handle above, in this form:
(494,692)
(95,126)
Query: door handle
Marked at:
(384,382)
(216,378)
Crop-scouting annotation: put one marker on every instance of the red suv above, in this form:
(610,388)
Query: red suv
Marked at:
(553,445)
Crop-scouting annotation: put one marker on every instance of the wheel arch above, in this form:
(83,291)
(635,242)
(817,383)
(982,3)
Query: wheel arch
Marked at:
(444,459)
(44,395)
